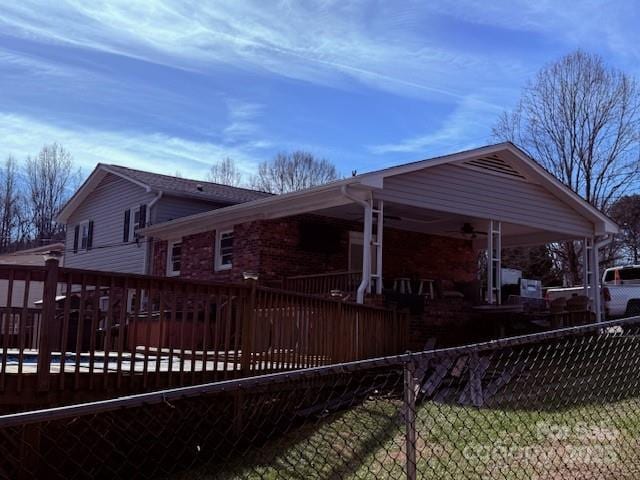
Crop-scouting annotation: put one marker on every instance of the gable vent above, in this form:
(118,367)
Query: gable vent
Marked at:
(494,164)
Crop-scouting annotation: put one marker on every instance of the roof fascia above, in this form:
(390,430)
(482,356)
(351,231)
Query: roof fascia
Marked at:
(295,203)
(88,186)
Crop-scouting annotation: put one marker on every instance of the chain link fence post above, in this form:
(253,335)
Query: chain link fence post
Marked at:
(410,418)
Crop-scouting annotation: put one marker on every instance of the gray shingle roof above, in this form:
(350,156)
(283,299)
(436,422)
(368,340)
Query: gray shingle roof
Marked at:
(32,256)
(185,187)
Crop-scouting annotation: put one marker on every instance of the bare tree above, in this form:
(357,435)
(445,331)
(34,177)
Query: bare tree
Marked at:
(626,211)
(581,120)
(534,262)
(10,204)
(294,171)
(50,177)
(225,172)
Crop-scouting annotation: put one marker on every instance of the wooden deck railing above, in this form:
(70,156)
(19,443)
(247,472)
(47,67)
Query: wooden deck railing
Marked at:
(112,332)
(324,283)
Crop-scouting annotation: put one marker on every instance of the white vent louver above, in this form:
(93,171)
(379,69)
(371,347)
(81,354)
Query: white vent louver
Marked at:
(494,164)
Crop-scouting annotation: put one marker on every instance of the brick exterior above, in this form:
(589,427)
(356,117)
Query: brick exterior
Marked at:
(159,261)
(272,249)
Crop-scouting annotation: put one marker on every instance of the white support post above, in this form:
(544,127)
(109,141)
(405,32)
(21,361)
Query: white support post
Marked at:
(490,264)
(366,253)
(378,243)
(595,280)
(586,268)
(494,263)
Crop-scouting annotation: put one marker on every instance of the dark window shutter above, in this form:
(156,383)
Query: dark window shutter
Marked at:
(143,216)
(76,236)
(127,223)
(90,236)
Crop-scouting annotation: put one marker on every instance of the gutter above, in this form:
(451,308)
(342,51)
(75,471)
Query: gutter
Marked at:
(149,246)
(155,200)
(366,242)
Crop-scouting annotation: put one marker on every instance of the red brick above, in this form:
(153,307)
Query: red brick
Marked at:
(272,249)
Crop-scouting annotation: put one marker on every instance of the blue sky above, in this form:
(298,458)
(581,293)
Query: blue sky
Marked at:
(174,86)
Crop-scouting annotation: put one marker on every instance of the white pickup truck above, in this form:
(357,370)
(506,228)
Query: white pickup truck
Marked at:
(620,291)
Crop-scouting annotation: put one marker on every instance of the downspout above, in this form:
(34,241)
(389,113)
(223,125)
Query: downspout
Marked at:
(147,251)
(366,243)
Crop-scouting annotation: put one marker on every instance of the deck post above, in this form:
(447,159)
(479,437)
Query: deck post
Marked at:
(248,326)
(48,327)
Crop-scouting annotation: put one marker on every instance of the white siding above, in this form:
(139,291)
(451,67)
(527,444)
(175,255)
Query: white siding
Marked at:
(170,208)
(106,206)
(461,190)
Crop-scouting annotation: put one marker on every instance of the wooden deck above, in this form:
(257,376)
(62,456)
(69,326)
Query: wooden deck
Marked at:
(130,333)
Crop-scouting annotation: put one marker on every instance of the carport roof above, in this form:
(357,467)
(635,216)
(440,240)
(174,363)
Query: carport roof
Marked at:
(331,195)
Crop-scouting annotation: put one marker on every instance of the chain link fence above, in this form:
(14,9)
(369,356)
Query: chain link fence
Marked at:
(563,404)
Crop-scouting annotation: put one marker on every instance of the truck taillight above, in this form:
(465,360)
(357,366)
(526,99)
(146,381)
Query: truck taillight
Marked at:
(606,294)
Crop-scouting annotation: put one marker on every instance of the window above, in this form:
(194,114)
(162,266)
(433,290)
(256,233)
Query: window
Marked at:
(224,250)
(134,219)
(104,304)
(624,275)
(83,236)
(174,259)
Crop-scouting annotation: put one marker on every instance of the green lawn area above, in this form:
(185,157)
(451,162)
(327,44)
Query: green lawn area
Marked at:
(367,442)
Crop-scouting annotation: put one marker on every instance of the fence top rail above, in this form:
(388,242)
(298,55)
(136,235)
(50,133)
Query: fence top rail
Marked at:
(65,272)
(317,298)
(153,278)
(326,274)
(35,273)
(150,398)
(26,268)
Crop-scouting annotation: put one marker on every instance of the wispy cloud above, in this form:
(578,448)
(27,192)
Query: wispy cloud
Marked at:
(327,43)
(243,121)
(20,63)
(467,126)
(588,23)
(161,153)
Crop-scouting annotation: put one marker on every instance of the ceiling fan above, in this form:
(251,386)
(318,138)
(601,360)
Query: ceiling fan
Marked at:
(468,230)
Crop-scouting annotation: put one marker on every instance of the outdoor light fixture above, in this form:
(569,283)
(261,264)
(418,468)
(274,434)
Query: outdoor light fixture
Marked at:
(250,275)
(52,255)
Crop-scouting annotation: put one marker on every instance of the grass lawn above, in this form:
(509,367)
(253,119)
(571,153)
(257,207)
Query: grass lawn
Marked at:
(367,442)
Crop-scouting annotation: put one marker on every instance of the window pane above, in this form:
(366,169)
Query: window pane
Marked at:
(176,257)
(629,274)
(226,248)
(84,236)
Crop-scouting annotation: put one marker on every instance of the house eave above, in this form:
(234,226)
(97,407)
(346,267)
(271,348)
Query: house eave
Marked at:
(279,206)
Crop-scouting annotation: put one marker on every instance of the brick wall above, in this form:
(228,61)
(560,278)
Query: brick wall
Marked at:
(417,255)
(159,263)
(272,249)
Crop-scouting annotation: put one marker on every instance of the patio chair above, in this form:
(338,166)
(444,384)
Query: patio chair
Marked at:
(558,312)
(578,310)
